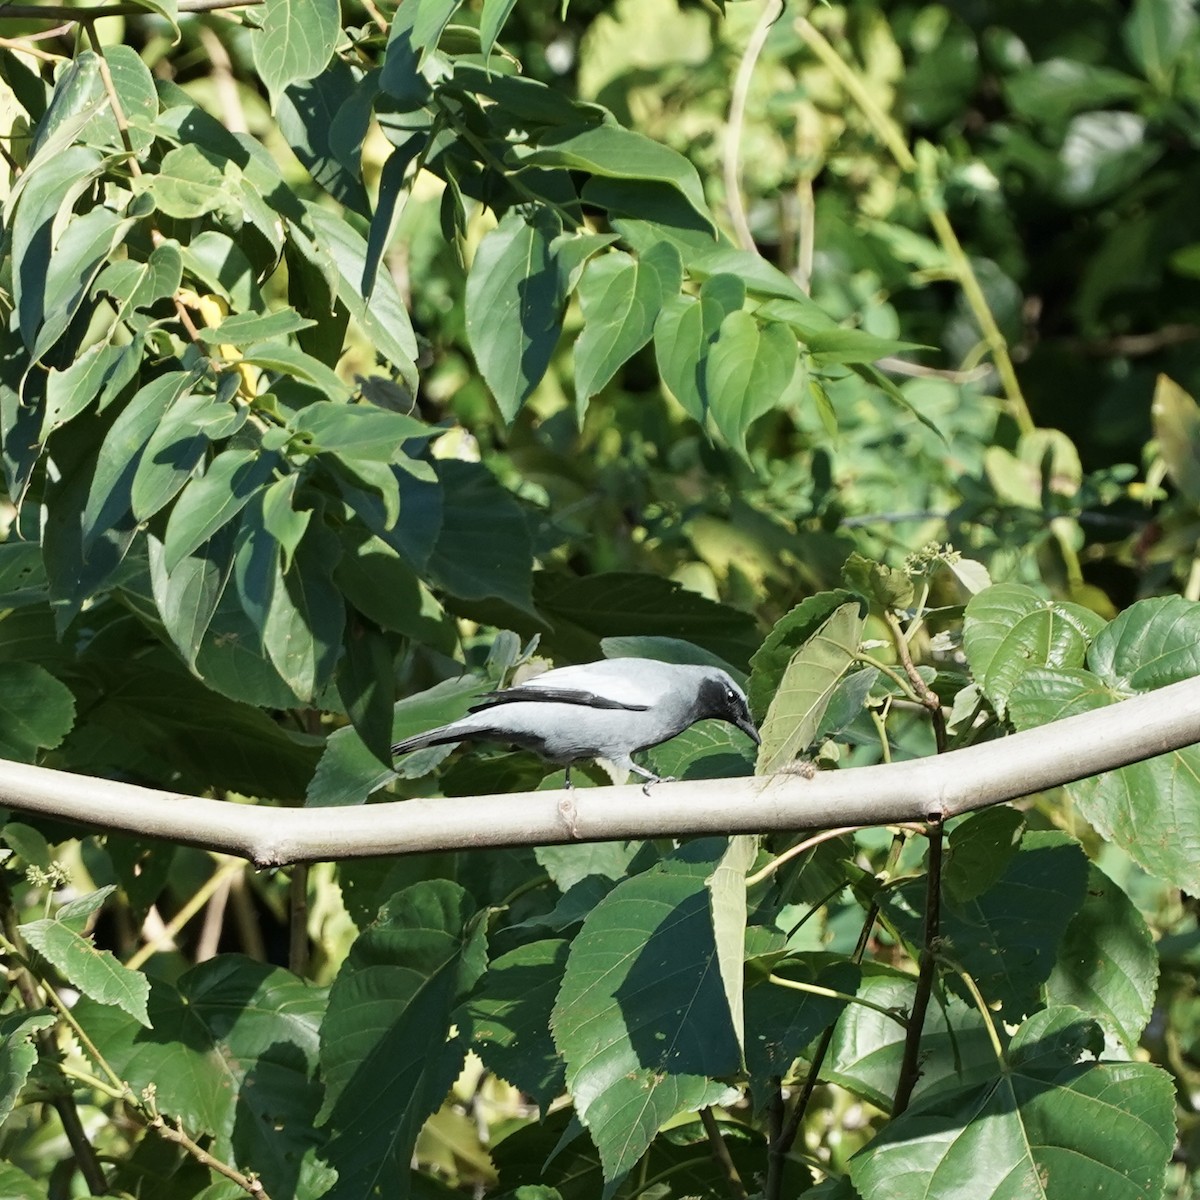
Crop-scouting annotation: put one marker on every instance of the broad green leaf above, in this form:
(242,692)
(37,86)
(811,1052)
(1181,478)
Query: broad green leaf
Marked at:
(1151,809)
(322,118)
(232,1052)
(868,1046)
(888,588)
(281,519)
(306,616)
(93,972)
(136,284)
(1009,630)
(792,631)
(1102,153)
(749,368)
(1008,937)
(348,772)
(642,1019)
(510,1018)
(1158,34)
(1056,88)
(706,750)
(1176,418)
(614,152)
(809,681)
(210,502)
(17,1055)
(78,256)
(1149,645)
(176,447)
(36,710)
(294,363)
(101,369)
(384,587)
(48,185)
(1107,964)
(111,486)
(295,41)
(187,596)
(515,306)
(22,576)
(366,684)
(615,603)
(483,547)
(683,337)
(388,1054)
(134,85)
(727,897)
(384,320)
(979,851)
(491,21)
(621,297)
(248,328)
(781,1021)
(191,182)
(359,431)
(1051,1128)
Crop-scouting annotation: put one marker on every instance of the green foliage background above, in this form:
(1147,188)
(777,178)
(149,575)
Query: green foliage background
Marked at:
(351,357)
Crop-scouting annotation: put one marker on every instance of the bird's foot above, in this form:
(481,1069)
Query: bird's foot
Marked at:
(657,779)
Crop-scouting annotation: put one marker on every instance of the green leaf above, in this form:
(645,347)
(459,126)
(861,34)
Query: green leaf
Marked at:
(306,617)
(789,634)
(1151,809)
(618,603)
(1009,630)
(293,363)
(17,1056)
(1149,645)
(1158,34)
(808,683)
(483,547)
(22,576)
(510,1016)
(93,972)
(341,251)
(16,1185)
(980,850)
(727,898)
(101,369)
(136,284)
(683,337)
(1103,153)
(1050,1128)
(514,306)
(614,152)
(393,1002)
(187,596)
(749,368)
(36,710)
(1176,419)
(359,431)
(232,1052)
(81,251)
(642,1019)
(247,328)
(176,447)
(491,21)
(210,502)
(280,517)
(366,685)
(190,182)
(295,42)
(621,297)
(888,588)
(348,772)
(134,85)
(1107,964)
(1008,937)
(868,1046)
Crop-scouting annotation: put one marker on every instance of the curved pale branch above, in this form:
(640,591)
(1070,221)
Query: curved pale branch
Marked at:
(1128,732)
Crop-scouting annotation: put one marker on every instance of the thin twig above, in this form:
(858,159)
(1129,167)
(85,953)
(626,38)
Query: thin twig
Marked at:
(925,694)
(61,12)
(118,110)
(175,1133)
(213,924)
(298,920)
(165,937)
(793,851)
(910,1066)
(731,158)
(720,1152)
(815,989)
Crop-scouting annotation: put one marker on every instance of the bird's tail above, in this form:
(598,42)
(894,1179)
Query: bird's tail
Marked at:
(431,737)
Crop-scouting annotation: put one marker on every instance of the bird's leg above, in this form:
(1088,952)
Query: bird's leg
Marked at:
(650,777)
(566,806)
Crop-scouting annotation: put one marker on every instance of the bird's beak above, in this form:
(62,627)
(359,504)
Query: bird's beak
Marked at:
(747,727)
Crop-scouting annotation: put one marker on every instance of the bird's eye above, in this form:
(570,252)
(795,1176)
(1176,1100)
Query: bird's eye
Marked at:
(729,695)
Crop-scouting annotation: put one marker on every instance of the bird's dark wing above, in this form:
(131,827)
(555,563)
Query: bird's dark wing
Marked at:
(553,695)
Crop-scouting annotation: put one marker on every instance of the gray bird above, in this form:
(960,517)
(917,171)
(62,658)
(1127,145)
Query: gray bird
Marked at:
(609,709)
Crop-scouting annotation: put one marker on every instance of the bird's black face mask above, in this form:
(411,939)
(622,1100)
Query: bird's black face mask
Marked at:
(725,703)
